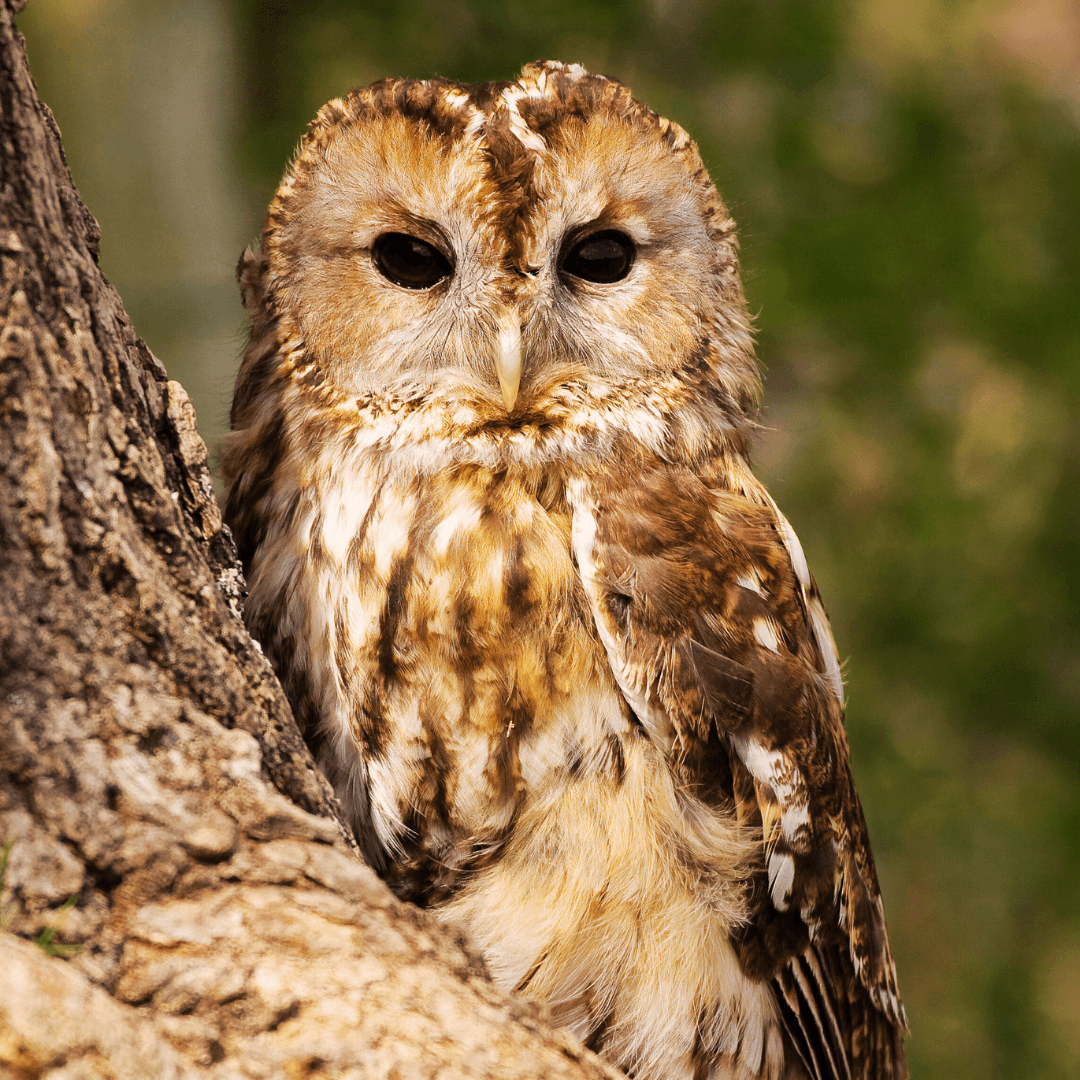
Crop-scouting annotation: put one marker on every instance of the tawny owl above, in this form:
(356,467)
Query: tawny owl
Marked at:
(555,646)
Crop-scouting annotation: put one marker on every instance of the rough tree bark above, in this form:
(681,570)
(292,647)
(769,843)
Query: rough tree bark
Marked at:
(150,768)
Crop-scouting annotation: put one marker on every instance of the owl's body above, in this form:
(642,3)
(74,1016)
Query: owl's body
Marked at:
(554,645)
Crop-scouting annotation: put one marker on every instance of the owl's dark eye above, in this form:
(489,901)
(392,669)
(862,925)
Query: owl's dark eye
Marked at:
(602,257)
(409,261)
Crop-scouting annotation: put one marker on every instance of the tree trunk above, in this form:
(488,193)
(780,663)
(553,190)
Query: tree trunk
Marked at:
(172,845)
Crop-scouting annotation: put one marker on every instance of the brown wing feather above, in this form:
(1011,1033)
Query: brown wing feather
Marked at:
(713,624)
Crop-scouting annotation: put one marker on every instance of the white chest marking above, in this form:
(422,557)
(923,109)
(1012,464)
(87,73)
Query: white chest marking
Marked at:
(583,541)
(818,623)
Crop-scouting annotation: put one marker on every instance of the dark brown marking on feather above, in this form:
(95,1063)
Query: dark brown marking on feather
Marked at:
(519,718)
(575,758)
(422,102)
(281,651)
(503,768)
(394,608)
(772,937)
(635,720)
(501,771)
(333,113)
(706,771)
(703,1054)
(469,650)
(257,464)
(619,598)
(493,490)
(250,274)
(598,1035)
(550,493)
(354,555)
(517,581)
(372,726)
(411,875)
(261,366)
(728,686)
(820,861)
(316,548)
(485,95)
(511,172)
(440,765)
(558,118)
(618,758)
(522,986)
(713,402)
(343,645)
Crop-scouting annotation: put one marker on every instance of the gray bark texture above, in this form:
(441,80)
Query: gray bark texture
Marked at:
(198,907)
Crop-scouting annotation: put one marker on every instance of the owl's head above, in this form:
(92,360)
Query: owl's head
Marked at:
(507,252)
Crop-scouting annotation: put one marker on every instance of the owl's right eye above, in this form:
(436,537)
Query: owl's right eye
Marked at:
(409,261)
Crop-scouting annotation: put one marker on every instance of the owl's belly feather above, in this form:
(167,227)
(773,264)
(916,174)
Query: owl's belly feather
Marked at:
(471,720)
(614,901)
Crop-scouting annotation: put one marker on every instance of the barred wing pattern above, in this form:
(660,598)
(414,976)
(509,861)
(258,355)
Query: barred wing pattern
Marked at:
(719,642)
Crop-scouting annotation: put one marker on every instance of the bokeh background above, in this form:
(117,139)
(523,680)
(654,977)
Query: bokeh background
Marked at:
(906,174)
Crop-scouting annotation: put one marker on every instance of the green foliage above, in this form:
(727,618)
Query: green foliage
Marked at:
(46,940)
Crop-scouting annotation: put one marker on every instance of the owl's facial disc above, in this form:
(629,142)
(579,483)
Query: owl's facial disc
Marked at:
(507,254)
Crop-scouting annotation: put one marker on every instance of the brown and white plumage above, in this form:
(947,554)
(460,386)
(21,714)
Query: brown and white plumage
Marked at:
(555,645)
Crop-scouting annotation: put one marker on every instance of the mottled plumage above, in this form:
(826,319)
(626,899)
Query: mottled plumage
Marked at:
(553,643)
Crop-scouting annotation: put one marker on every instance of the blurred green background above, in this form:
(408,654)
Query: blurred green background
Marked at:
(906,174)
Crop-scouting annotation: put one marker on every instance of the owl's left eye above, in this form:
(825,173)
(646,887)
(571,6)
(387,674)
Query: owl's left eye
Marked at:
(601,257)
(409,261)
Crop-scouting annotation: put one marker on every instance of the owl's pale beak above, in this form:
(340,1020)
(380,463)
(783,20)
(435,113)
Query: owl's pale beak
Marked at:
(508,363)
